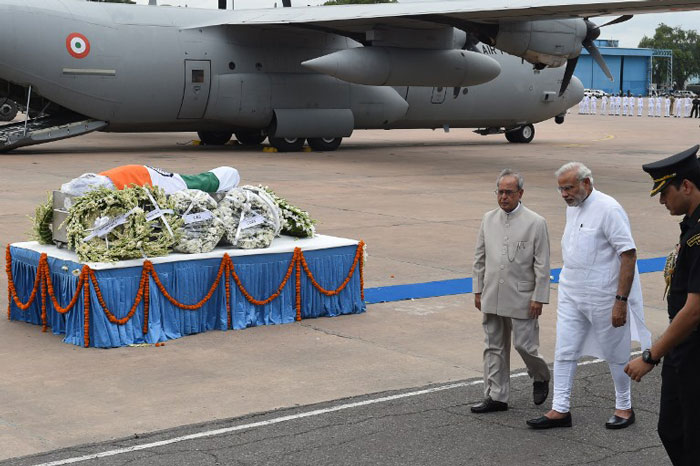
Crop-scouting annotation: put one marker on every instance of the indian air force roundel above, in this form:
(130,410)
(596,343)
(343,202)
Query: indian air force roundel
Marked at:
(78,45)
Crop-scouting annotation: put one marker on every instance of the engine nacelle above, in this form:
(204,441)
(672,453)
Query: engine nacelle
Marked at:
(546,42)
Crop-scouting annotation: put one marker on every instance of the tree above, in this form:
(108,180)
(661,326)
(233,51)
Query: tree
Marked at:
(686,53)
(349,2)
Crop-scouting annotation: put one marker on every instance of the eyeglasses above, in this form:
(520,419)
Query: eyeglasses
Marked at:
(504,192)
(567,188)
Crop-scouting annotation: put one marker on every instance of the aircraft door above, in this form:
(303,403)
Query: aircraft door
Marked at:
(438,95)
(197,85)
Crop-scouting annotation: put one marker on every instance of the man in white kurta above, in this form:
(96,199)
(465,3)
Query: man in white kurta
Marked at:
(600,309)
(511,282)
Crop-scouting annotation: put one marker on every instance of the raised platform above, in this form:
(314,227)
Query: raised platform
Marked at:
(150,301)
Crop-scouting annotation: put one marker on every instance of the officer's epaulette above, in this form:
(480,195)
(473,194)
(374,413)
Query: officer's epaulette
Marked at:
(693,241)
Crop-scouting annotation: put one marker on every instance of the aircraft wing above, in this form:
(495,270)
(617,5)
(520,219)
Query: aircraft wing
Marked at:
(354,19)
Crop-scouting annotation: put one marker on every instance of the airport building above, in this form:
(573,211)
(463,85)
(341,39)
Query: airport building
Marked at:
(630,67)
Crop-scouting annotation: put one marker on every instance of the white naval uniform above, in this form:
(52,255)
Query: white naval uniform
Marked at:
(658,107)
(667,107)
(650,106)
(640,106)
(603,105)
(625,104)
(596,233)
(618,105)
(594,105)
(678,108)
(631,104)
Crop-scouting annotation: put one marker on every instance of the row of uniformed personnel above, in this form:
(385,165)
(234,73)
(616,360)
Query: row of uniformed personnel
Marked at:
(683,107)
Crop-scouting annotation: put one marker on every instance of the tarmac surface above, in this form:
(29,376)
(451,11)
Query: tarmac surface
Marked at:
(416,197)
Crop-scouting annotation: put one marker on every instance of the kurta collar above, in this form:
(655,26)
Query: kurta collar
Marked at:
(513,212)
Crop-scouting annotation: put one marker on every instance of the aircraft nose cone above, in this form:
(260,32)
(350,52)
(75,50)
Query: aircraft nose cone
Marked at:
(574,93)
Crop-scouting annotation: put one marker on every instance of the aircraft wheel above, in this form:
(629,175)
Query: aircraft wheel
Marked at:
(559,119)
(8,110)
(324,144)
(214,138)
(250,138)
(287,144)
(524,134)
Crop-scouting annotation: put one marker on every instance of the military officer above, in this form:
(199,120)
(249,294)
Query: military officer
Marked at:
(677,180)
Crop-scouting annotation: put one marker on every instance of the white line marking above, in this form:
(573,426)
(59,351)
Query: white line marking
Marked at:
(292,417)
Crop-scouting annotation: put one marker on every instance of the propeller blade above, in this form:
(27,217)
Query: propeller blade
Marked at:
(595,53)
(570,67)
(620,19)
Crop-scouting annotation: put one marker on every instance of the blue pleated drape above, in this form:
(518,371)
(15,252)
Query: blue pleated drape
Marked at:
(187,282)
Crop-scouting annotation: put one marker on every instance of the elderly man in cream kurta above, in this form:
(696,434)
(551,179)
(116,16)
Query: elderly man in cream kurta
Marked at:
(511,282)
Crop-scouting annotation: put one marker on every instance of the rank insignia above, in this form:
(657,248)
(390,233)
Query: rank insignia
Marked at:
(694,241)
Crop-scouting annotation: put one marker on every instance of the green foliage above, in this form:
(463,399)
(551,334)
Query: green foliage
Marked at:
(362,2)
(42,220)
(686,53)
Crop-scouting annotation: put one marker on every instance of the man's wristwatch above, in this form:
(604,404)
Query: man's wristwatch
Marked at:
(621,298)
(646,357)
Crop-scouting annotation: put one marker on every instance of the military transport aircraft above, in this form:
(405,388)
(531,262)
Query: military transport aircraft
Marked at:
(296,74)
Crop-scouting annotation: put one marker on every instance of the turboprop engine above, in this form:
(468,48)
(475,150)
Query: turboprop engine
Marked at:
(397,66)
(544,43)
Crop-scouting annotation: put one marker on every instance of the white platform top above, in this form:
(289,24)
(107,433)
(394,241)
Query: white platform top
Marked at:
(282,244)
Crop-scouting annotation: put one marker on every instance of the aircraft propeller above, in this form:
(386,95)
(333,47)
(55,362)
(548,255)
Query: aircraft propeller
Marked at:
(593,31)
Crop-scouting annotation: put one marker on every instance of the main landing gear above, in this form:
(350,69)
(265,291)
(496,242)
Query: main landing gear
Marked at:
(523,134)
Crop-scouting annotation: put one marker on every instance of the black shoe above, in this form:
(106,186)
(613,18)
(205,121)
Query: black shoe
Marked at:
(617,422)
(544,422)
(489,405)
(540,392)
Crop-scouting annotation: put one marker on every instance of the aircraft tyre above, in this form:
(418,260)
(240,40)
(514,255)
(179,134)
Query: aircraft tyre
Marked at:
(8,110)
(523,135)
(214,138)
(250,138)
(287,144)
(559,119)
(324,144)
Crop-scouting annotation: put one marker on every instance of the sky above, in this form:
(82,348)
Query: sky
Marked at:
(629,33)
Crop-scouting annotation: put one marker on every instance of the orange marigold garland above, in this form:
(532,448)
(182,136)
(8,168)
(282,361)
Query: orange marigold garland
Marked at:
(197,305)
(146,298)
(86,308)
(361,247)
(342,286)
(43,270)
(227,284)
(274,295)
(12,291)
(297,255)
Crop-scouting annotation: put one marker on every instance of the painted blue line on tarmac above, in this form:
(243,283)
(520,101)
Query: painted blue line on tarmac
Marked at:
(387,294)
